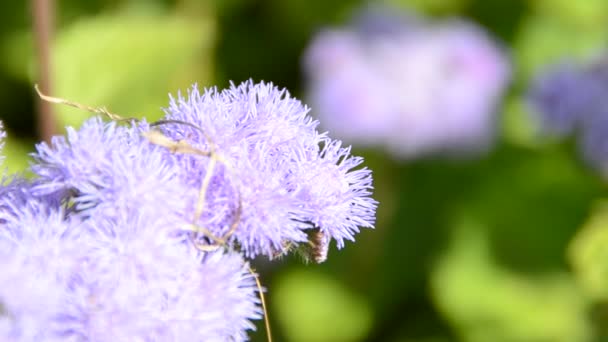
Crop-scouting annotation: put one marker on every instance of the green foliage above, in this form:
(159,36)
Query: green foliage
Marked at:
(311,306)
(16,153)
(591,14)
(432,6)
(486,302)
(544,40)
(124,62)
(589,254)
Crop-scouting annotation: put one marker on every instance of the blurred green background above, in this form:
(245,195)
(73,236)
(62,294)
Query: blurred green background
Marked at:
(511,247)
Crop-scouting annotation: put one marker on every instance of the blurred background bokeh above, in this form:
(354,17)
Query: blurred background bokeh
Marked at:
(508,243)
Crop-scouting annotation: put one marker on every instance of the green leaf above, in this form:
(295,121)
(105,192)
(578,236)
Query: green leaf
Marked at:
(584,13)
(313,307)
(16,154)
(588,254)
(518,125)
(433,6)
(486,302)
(129,63)
(545,40)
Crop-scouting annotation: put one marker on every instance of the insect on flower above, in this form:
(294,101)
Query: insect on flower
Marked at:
(317,246)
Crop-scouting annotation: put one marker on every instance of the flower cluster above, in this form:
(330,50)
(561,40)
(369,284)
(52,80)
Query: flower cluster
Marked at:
(570,98)
(417,88)
(141,232)
(285,176)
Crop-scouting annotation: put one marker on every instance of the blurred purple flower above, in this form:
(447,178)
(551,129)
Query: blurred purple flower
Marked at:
(572,98)
(375,21)
(419,90)
(562,96)
(289,177)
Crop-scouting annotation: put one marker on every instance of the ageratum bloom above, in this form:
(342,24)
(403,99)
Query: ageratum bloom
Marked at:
(277,176)
(418,88)
(120,238)
(112,172)
(562,95)
(570,98)
(100,228)
(62,282)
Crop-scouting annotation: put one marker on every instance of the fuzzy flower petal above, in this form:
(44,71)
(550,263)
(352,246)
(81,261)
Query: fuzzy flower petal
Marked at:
(138,277)
(272,158)
(107,280)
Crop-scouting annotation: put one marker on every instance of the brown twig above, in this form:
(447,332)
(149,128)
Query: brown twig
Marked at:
(96,110)
(43,15)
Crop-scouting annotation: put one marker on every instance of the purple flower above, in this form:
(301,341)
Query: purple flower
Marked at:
(593,139)
(37,248)
(133,274)
(571,98)
(111,172)
(118,238)
(288,177)
(126,279)
(419,90)
(375,21)
(562,96)
(150,287)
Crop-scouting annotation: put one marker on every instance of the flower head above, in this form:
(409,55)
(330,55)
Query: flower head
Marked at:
(570,98)
(417,89)
(124,278)
(562,95)
(123,236)
(39,252)
(274,172)
(120,203)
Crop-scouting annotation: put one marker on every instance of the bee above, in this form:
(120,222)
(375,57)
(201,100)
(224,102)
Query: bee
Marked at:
(316,248)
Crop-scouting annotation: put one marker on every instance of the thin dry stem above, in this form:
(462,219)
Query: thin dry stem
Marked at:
(206,247)
(96,110)
(205,135)
(182,146)
(198,229)
(237,219)
(202,194)
(157,138)
(262,299)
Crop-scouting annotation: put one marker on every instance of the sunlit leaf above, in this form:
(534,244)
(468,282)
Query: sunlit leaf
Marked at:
(588,253)
(129,64)
(584,13)
(545,40)
(16,154)
(486,302)
(433,6)
(518,123)
(313,307)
